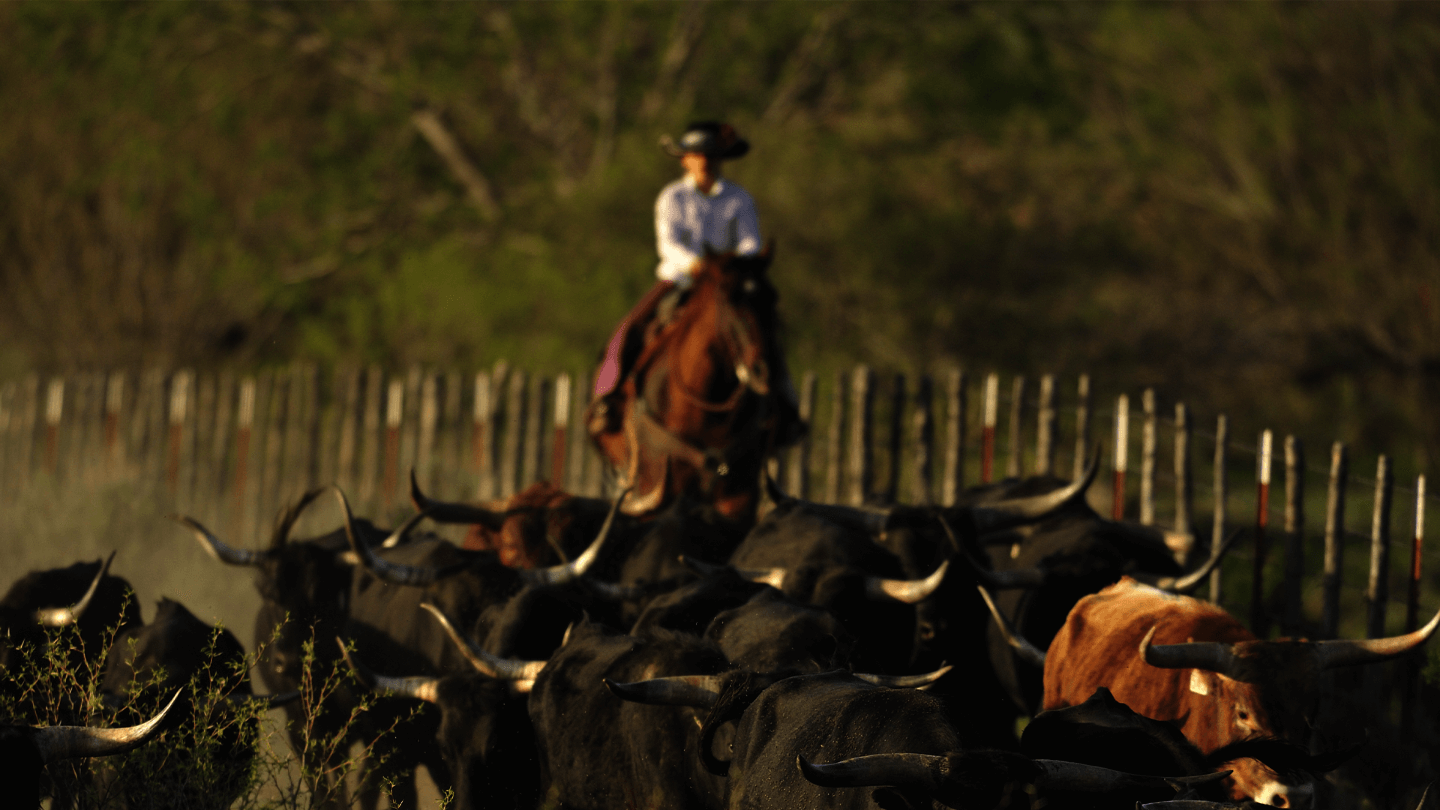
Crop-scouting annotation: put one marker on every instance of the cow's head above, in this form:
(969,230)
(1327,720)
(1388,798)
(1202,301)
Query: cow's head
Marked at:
(1249,690)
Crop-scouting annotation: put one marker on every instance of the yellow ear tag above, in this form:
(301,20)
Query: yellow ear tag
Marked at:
(1197,683)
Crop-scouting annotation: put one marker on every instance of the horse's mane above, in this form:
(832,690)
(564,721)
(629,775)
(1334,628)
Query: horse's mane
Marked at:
(728,274)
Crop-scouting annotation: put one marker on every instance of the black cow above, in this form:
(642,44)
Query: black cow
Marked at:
(526,612)
(305,592)
(484,730)
(25,751)
(82,595)
(642,554)
(597,751)
(757,627)
(869,735)
(174,651)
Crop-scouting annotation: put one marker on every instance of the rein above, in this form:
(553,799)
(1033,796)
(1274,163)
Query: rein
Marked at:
(736,333)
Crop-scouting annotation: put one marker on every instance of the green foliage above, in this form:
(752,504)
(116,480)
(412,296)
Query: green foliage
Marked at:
(228,756)
(1216,200)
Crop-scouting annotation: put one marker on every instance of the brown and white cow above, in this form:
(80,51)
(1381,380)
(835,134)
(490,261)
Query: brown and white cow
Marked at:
(1174,658)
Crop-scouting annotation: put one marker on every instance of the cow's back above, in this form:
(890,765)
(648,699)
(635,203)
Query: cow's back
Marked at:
(1100,646)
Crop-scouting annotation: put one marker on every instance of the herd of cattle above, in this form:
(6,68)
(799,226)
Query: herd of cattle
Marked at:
(823,657)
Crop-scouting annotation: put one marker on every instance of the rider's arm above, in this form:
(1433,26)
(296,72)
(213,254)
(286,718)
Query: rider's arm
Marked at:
(671,237)
(747,226)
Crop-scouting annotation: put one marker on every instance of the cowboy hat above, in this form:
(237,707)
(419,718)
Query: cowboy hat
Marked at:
(707,138)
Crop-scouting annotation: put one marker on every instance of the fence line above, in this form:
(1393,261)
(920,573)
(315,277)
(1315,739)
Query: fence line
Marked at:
(232,449)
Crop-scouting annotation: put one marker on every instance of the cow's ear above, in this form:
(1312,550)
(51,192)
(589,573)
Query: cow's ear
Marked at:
(890,799)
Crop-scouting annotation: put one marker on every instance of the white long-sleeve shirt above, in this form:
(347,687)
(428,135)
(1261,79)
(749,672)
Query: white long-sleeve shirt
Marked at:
(688,220)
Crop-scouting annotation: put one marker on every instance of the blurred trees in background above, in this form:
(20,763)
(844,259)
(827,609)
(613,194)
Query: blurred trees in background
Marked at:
(1233,202)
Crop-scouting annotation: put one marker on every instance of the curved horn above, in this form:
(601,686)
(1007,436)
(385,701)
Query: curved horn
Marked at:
(1207,655)
(568,572)
(919,772)
(1188,582)
(445,512)
(217,549)
(505,669)
(59,617)
(287,520)
(393,573)
(1014,510)
(908,591)
(1373,650)
(420,688)
(698,691)
(71,742)
(1022,646)
(904,681)
(771,496)
(649,501)
(1060,775)
(774,577)
(989,577)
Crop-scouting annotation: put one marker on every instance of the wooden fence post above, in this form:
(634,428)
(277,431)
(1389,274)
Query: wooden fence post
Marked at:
(954,437)
(1147,458)
(1377,595)
(1184,485)
(394,415)
(207,409)
(1378,591)
(987,428)
(409,455)
(1259,624)
(1218,501)
(245,423)
(1082,426)
(532,460)
(835,439)
(452,439)
(1294,535)
(1045,428)
(348,409)
(370,428)
(482,437)
(894,440)
(514,437)
(1122,453)
(579,438)
(1016,466)
(1412,611)
(923,442)
(54,410)
(90,457)
(859,456)
(562,425)
(272,400)
(798,471)
(1334,540)
(114,403)
(220,447)
(1412,597)
(179,404)
(425,466)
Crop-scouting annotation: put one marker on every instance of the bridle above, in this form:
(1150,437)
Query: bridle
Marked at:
(740,334)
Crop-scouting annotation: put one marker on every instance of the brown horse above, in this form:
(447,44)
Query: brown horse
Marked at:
(698,410)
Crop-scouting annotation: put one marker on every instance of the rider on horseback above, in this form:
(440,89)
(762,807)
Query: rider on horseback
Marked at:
(696,214)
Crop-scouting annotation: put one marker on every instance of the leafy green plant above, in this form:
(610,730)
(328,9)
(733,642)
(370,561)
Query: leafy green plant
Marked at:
(226,751)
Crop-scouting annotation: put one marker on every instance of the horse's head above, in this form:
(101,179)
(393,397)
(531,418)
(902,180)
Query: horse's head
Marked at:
(741,280)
